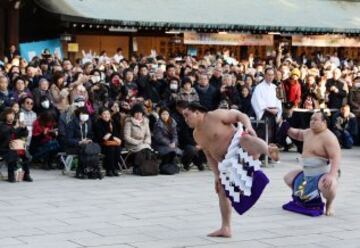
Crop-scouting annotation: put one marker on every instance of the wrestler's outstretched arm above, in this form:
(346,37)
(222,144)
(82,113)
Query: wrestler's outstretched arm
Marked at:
(295,133)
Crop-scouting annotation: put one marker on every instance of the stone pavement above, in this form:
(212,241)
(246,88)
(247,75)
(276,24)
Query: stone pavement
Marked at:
(168,211)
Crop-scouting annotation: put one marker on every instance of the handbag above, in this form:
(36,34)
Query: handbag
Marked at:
(17,144)
(111,143)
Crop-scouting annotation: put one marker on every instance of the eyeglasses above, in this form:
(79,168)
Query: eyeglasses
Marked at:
(30,103)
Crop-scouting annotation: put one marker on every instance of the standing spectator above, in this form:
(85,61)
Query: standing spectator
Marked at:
(187,91)
(335,88)
(30,116)
(12,144)
(208,94)
(229,94)
(245,101)
(293,88)
(130,88)
(41,92)
(266,105)
(354,101)
(20,89)
(6,96)
(216,78)
(59,92)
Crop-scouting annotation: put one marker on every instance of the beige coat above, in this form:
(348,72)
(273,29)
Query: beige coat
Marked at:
(137,136)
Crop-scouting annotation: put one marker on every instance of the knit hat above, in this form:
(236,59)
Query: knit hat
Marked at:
(296,72)
(137,108)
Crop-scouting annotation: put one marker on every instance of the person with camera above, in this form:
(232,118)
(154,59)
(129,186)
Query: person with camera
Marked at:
(13,134)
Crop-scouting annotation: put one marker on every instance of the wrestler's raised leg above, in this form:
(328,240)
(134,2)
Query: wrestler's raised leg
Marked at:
(329,194)
(289,178)
(256,146)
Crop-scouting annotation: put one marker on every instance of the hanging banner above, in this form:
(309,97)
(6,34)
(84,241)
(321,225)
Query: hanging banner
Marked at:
(228,39)
(32,49)
(325,41)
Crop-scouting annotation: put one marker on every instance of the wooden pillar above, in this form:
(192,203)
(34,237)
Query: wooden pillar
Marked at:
(13,26)
(2,31)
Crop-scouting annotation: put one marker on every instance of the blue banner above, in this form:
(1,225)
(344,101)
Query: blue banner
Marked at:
(32,49)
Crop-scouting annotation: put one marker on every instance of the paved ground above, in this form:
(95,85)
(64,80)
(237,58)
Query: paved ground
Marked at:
(168,211)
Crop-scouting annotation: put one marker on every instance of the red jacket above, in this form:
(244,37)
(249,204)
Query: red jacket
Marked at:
(293,91)
(38,131)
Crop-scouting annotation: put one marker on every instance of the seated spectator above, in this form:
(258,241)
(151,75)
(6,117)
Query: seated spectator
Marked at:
(108,136)
(165,137)
(65,118)
(187,91)
(44,145)
(137,134)
(345,127)
(191,153)
(12,144)
(79,132)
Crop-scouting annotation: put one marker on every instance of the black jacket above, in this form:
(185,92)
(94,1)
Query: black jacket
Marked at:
(75,133)
(101,128)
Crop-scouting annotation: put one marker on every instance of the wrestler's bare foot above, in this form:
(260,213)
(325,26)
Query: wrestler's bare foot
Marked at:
(223,232)
(329,210)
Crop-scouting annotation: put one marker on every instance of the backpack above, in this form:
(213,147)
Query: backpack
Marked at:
(169,169)
(89,160)
(146,163)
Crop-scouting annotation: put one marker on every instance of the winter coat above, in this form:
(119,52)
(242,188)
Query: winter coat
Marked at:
(163,136)
(137,136)
(74,134)
(189,97)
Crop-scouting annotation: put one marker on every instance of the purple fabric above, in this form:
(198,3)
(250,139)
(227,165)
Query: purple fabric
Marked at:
(312,208)
(246,202)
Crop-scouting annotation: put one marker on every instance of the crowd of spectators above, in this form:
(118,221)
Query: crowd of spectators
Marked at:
(48,104)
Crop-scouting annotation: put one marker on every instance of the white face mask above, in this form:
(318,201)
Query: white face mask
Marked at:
(95,79)
(84,117)
(79,104)
(45,104)
(173,87)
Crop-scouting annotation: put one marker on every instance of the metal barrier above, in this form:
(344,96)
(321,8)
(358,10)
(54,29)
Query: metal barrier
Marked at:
(266,122)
